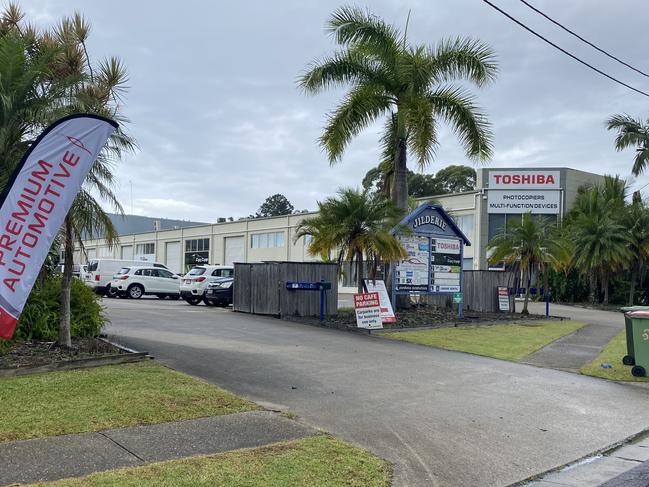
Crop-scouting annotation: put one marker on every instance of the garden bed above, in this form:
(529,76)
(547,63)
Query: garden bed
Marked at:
(418,317)
(36,356)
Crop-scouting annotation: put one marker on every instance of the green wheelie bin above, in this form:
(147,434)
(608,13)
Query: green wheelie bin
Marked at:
(640,333)
(629,359)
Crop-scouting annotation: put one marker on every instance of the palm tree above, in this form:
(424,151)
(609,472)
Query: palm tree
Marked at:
(409,85)
(631,132)
(637,222)
(523,243)
(90,89)
(28,96)
(357,226)
(602,241)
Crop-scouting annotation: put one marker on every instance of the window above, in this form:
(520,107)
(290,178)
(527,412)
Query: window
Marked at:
(307,239)
(197,271)
(105,252)
(197,245)
(223,273)
(165,273)
(145,249)
(267,240)
(466,224)
(123,270)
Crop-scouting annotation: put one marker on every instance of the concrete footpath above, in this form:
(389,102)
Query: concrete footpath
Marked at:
(581,347)
(58,457)
(626,466)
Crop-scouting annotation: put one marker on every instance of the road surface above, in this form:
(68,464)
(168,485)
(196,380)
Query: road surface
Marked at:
(443,418)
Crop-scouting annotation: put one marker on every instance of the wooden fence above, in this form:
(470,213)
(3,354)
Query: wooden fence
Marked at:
(480,289)
(260,288)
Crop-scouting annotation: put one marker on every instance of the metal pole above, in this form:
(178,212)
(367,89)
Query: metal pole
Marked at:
(460,311)
(322,298)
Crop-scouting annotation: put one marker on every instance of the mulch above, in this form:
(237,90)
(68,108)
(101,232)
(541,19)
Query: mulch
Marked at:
(33,353)
(422,316)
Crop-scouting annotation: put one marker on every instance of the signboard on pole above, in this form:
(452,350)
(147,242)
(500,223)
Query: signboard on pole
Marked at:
(368,311)
(387,313)
(503,299)
(36,200)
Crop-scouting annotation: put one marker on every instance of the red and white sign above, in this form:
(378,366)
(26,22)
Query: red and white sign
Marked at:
(368,311)
(378,286)
(446,246)
(36,201)
(503,298)
(524,179)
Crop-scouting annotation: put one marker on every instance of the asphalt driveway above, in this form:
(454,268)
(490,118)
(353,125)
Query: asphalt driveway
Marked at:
(443,418)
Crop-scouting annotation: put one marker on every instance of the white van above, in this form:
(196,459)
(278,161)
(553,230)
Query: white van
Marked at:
(101,271)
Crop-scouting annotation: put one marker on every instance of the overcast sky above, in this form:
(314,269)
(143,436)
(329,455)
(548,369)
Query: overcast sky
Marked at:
(221,125)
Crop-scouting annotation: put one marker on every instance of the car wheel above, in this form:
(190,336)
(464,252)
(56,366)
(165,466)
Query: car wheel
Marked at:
(135,291)
(111,292)
(209,302)
(193,300)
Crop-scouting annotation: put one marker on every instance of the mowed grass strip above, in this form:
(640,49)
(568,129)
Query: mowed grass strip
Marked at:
(106,397)
(507,342)
(612,354)
(319,461)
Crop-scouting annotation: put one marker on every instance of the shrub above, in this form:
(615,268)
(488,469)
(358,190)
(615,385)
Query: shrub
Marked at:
(42,313)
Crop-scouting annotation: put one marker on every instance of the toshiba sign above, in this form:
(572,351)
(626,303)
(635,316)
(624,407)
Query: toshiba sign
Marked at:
(532,179)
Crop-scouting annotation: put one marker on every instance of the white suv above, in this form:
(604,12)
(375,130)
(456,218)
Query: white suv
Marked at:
(134,282)
(194,283)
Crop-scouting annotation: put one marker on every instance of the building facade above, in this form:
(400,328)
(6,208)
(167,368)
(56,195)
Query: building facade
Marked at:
(503,195)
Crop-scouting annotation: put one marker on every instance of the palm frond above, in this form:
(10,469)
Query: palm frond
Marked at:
(468,122)
(361,107)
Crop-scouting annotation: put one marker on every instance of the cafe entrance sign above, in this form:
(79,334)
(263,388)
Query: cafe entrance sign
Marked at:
(435,247)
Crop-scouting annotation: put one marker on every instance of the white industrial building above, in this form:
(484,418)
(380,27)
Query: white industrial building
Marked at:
(503,194)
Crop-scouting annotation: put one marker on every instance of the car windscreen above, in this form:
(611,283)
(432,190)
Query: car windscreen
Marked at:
(92,266)
(197,271)
(123,270)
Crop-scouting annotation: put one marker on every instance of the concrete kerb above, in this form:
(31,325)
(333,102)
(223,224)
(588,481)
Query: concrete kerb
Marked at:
(607,450)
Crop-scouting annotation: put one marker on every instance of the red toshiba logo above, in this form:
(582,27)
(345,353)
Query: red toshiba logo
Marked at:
(520,179)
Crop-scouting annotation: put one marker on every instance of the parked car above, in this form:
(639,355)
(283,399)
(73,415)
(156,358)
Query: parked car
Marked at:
(78,270)
(134,282)
(194,283)
(219,292)
(101,271)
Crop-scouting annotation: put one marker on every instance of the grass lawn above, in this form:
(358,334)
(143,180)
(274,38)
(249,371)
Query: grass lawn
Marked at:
(106,397)
(318,461)
(612,354)
(506,342)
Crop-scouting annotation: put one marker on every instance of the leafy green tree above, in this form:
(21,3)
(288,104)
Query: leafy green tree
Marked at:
(355,225)
(524,243)
(410,85)
(631,132)
(456,179)
(90,89)
(275,205)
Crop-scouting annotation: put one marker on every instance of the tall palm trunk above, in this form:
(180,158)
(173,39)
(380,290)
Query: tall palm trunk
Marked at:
(528,281)
(359,271)
(400,188)
(66,285)
(593,286)
(634,274)
(605,287)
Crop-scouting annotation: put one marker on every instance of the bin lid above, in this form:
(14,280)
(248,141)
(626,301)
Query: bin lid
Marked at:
(639,314)
(626,309)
